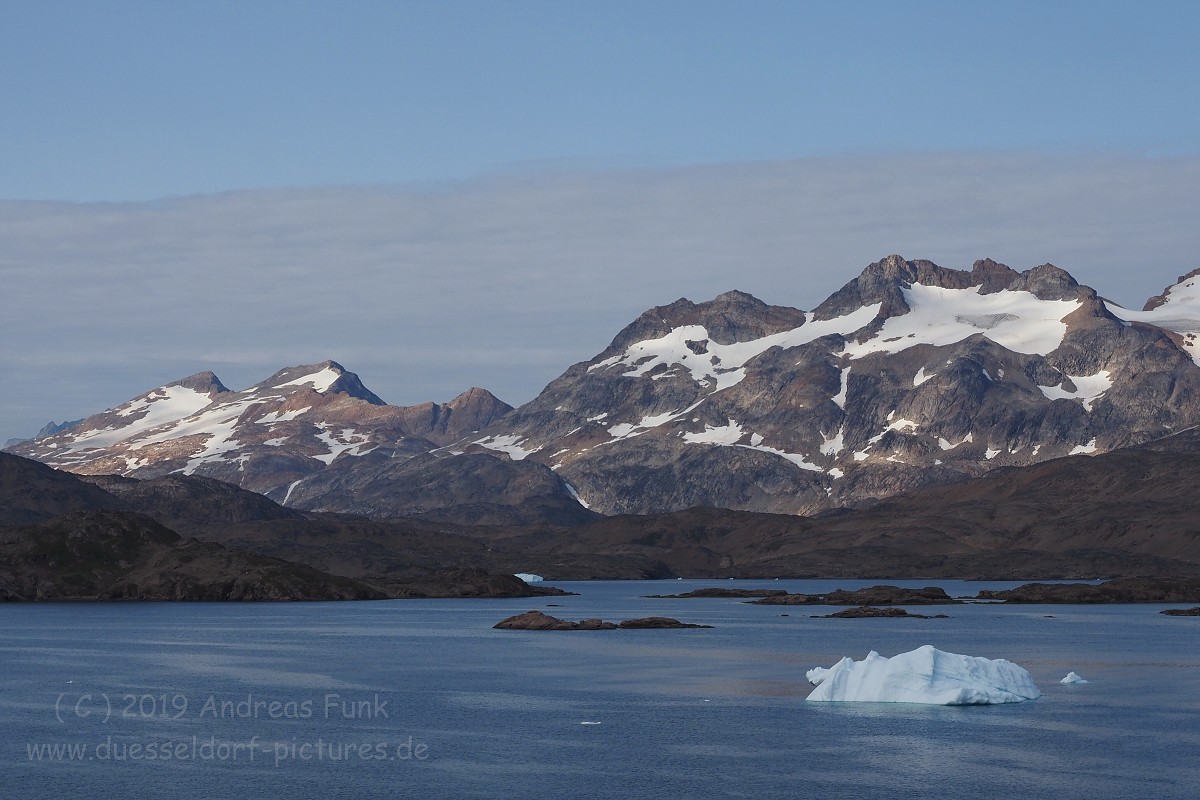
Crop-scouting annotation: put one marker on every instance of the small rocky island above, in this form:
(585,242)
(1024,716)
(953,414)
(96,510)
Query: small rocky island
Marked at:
(870,612)
(720,593)
(883,595)
(1182,612)
(537,621)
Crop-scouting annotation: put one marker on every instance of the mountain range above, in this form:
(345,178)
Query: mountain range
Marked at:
(910,375)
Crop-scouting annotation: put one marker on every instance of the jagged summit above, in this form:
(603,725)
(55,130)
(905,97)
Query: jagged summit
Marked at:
(884,283)
(444,423)
(1182,292)
(206,382)
(327,377)
(728,318)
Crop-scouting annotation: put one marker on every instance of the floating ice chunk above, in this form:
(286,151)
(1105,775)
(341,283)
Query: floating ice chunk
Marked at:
(529,577)
(1073,678)
(925,675)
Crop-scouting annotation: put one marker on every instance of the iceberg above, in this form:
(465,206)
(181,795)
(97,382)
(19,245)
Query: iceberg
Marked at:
(1072,678)
(529,577)
(925,675)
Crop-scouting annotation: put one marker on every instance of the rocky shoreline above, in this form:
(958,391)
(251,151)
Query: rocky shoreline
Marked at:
(1121,590)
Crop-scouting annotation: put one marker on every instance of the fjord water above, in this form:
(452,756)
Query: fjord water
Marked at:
(424,699)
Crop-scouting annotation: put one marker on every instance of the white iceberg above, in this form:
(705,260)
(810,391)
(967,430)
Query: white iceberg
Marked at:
(925,675)
(529,577)
(1072,678)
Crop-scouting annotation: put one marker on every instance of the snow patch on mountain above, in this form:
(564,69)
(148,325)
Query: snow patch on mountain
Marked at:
(291,488)
(507,443)
(282,416)
(163,406)
(832,445)
(320,381)
(1088,388)
(839,399)
(722,365)
(731,435)
(627,430)
(1017,320)
(1083,449)
(795,458)
(347,441)
(726,434)
(220,441)
(574,494)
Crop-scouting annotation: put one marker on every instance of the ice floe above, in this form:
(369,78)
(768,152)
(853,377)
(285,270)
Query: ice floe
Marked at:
(925,675)
(1072,677)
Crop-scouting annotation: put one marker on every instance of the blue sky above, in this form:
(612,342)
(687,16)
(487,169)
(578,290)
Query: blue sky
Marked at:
(447,194)
(141,100)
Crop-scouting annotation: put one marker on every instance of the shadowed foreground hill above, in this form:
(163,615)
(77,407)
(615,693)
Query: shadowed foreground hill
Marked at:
(1130,512)
(64,538)
(116,555)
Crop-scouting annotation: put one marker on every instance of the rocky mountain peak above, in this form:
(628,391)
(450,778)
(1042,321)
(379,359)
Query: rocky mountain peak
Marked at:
(327,377)
(1180,288)
(204,382)
(992,276)
(730,317)
(1048,282)
(882,283)
(442,423)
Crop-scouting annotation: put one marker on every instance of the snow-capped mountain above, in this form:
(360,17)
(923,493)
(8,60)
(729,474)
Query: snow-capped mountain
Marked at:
(298,422)
(909,375)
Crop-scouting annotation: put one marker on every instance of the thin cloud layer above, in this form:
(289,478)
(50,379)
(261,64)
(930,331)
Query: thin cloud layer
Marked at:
(504,282)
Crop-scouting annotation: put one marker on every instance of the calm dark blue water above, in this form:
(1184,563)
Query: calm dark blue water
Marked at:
(424,699)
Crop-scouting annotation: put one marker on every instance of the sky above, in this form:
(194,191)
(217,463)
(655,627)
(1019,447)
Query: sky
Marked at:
(451,194)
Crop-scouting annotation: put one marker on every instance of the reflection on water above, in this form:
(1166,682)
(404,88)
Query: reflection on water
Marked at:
(682,714)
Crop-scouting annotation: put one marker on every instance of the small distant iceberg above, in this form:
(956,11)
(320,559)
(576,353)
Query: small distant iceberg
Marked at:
(1072,678)
(529,577)
(925,675)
